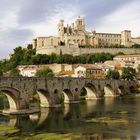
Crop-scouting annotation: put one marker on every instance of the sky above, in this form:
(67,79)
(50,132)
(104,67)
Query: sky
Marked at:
(23,20)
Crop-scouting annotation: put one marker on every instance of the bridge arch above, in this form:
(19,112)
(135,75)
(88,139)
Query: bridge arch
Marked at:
(132,89)
(12,97)
(40,117)
(90,91)
(68,96)
(108,91)
(44,98)
(121,90)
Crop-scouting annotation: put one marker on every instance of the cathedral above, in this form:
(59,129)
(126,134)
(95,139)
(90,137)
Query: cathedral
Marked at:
(76,35)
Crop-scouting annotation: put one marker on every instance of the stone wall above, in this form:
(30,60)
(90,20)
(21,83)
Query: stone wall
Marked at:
(78,51)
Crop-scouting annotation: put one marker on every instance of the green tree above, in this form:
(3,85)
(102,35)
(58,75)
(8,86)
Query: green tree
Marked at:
(136,46)
(14,73)
(1,72)
(128,73)
(15,59)
(120,53)
(98,57)
(30,47)
(27,55)
(1,69)
(68,58)
(60,59)
(36,59)
(40,59)
(45,72)
(20,56)
(53,58)
(113,74)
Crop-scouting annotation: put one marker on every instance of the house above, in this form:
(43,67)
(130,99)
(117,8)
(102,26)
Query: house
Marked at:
(127,58)
(67,73)
(30,70)
(88,71)
(80,71)
(105,67)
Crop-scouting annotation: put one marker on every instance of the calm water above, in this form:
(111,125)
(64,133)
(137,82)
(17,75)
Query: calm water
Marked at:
(108,119)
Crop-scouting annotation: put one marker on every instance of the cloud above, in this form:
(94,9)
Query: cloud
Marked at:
(35,11)
(8,22)
(49,26)
(27,20)
(126,18)
(96,10)
(13,38)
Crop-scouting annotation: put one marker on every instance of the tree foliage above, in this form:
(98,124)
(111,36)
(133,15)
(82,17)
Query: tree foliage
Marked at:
(28,56)
(20,56)
(45,72)
(14,73)
(69,59)
(113,74)
(136,46)
(128,73)
(1,72)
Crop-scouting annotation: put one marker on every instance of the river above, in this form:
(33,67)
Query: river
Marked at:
(107,119)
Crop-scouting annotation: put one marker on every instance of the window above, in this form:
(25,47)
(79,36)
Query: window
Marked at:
(51,42)
(42,42)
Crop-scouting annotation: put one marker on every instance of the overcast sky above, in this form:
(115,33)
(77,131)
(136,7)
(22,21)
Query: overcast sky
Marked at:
(22,20)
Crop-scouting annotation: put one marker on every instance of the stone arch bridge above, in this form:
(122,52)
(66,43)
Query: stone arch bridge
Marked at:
(19,91)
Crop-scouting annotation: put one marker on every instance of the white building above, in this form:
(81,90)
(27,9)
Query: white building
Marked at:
(88,71)
(128,58)
(30,70)
(80,71)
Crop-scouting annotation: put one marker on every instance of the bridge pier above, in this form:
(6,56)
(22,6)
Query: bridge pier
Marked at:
(76,98)
(71,96)
(94,96)
(47,99)
(22,107)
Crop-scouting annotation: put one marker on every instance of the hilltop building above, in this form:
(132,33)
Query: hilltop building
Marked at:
(76,36)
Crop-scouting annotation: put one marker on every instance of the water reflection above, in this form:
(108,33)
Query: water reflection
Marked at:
(93,119)
(12,121)
(66,109)
(89,136)
(40,117)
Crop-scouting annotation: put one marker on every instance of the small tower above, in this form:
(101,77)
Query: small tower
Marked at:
(80,24)
(61,30)
(34,43)
(72,28)
(68,29)
(126,38)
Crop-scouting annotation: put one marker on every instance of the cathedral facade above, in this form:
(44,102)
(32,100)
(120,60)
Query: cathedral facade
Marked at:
(76,35)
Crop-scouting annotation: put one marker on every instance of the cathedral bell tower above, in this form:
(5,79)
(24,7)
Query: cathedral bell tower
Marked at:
(80,24)
(61,30)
